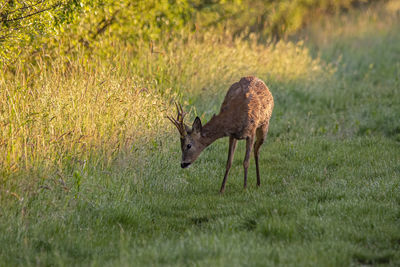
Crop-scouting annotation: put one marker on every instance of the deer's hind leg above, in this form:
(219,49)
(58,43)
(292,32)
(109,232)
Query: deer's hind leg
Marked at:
(232,147)
(261,134)
(246,162)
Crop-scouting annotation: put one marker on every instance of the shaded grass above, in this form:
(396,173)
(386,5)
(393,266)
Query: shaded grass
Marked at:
(330,168)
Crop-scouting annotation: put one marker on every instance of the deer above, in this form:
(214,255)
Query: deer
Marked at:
(244,115)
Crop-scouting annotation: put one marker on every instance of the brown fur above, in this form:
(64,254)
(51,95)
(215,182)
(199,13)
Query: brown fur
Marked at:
(244,114)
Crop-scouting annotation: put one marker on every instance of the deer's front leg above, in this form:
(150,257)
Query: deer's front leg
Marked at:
(232,147)
(246,162)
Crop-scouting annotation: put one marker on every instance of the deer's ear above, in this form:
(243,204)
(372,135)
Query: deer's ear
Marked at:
(196,127)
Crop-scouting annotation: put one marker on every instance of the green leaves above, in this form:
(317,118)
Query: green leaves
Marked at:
(29,25)
(24,24)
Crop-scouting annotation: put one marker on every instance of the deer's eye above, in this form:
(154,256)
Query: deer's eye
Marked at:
(189,146)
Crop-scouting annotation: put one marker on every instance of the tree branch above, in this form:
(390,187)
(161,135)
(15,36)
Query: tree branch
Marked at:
(26,7)
(4,4)
(29,15)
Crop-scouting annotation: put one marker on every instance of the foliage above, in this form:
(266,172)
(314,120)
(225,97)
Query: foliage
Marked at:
(47,25)
(24,23)
(270,19)
(34,24)
(129,21)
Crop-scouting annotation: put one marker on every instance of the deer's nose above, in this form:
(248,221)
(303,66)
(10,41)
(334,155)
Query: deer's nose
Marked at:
(184,165)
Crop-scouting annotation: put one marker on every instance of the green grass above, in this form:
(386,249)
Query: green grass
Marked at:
(330,188)
(321,202)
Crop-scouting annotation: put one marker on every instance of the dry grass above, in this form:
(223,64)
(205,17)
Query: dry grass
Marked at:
(65,110)
(54,113)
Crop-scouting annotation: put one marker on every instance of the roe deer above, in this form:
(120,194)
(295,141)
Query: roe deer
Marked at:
(244,114)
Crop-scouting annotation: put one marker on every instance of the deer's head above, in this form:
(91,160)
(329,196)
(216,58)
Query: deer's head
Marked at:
(190,137)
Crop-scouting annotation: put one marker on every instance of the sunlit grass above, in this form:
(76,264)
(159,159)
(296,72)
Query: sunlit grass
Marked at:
(68,110)
(54,114)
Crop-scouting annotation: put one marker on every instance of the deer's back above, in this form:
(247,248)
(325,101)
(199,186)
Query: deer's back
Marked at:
(247,105)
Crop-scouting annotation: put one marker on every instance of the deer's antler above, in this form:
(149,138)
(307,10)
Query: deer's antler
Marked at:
(178,122)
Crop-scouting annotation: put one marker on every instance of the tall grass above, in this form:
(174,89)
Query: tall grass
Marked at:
(54,113)
(66,110)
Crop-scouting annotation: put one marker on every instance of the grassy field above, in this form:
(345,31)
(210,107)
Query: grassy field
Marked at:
(90,166)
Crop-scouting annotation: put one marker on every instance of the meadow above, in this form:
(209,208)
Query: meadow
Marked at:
(90,168)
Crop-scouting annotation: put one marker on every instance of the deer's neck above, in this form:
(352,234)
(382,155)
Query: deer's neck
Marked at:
(213,130)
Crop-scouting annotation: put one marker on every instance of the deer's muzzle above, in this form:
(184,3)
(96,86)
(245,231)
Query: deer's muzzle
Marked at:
(184,165)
